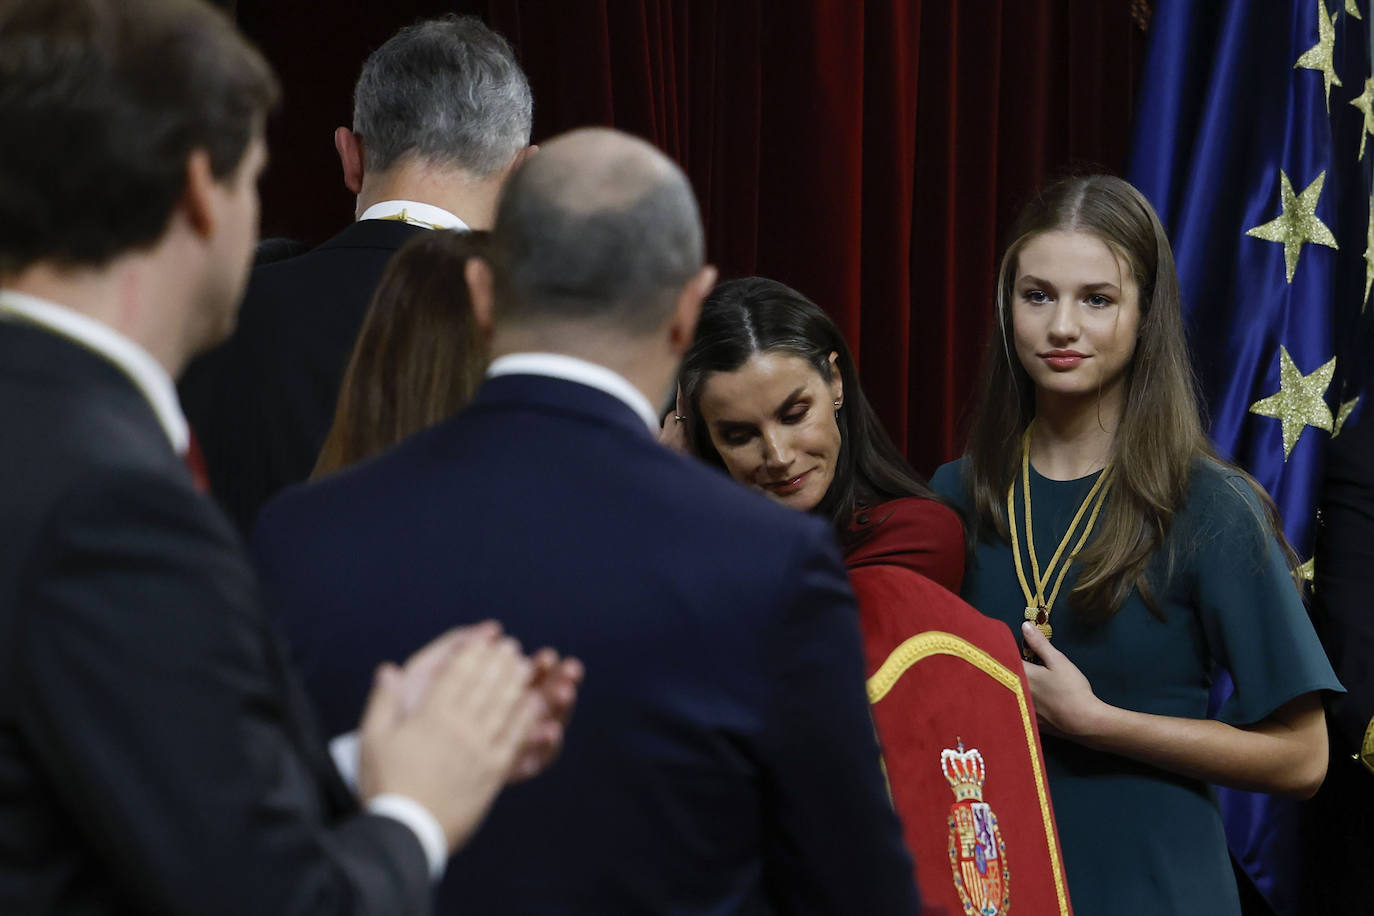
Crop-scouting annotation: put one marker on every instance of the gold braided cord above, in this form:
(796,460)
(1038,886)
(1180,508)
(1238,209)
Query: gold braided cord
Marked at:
(938,642)
(1092,520)
(1095,498)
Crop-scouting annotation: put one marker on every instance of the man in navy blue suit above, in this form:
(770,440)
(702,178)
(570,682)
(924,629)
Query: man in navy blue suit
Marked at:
(157,754)
(723,760)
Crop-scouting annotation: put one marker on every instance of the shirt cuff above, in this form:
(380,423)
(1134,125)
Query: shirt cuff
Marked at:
(344,750)
(421,823)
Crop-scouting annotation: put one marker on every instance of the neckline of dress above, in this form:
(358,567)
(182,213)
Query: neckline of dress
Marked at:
(1036,475)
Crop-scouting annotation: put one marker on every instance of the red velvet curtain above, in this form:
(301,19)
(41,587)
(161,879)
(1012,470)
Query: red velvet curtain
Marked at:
(867,152)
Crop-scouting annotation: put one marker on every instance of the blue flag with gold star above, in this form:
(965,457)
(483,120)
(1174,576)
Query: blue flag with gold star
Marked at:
(1250,140)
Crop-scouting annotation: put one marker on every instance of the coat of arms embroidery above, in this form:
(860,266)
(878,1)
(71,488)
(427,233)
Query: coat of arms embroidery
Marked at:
(977,854)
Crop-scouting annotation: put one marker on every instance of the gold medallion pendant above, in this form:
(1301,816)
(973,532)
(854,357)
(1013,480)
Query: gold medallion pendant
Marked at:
(1038,605)
(1040,616)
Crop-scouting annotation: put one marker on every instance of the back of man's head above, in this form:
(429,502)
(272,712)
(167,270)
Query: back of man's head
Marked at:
(446,91)
(598,228)
(101,104)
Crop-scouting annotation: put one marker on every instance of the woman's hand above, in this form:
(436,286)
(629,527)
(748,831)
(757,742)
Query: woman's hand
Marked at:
(1064,700)
(674,431)
(1284,752)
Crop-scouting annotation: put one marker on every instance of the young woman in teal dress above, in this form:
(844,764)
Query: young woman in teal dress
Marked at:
(1131,561)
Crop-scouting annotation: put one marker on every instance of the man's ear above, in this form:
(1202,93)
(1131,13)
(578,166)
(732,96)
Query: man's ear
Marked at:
(518,160)
(480,281)
(683,325)
(198,200)
(350,149)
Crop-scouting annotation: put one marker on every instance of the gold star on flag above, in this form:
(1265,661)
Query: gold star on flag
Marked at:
(1352,9)
(1343,414)
(1308,570)
(1322,55)
(1300,401)
(1298,222)
(1365,102)
(1368,258)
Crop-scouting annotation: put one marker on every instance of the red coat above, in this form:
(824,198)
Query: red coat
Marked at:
(954,715)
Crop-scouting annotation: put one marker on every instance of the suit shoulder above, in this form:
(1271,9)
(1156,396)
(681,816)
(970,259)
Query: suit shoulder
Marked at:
(65,422)
(270,284)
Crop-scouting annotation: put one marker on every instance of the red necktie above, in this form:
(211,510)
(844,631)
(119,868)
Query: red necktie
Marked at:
(195,460)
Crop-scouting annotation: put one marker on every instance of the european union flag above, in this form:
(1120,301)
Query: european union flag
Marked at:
(1251,140)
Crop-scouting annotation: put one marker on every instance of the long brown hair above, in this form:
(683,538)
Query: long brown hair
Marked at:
(419,356)
(1160,435)
(741,318)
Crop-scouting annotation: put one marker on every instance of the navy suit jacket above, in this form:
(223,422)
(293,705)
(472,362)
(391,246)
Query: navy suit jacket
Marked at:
(721,758)
(261,403)
(157,754)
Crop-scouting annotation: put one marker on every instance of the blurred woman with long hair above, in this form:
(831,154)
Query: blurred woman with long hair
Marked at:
(419,356)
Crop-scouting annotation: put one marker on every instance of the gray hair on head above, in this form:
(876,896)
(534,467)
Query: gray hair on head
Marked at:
(447,91)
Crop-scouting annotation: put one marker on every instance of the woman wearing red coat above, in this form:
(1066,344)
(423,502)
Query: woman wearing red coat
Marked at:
(769,393)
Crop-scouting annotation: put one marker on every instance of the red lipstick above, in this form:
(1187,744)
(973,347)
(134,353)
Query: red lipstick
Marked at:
(1063,359)
(790,485)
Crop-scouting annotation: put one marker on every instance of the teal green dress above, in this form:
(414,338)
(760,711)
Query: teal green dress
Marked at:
(1138,841)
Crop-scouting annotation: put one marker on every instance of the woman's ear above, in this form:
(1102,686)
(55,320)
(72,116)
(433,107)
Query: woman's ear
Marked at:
(836,381)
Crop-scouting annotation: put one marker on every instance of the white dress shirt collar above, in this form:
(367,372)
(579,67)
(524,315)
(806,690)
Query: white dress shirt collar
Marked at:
(146,373)
(416,213)
(572,369)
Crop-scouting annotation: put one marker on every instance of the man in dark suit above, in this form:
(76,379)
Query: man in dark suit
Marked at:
(724,759)
(157,755)
(1340,830)
(442,113)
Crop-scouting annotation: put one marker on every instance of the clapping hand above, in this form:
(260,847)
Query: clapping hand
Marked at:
(555,682)
(449,744)
(552,684)
(467,714)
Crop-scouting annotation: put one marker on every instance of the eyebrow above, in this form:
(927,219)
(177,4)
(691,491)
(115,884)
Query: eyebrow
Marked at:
(787,402)
(1036,281)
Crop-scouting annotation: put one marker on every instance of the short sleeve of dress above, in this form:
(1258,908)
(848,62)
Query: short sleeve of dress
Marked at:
(1254,619)
(949,483)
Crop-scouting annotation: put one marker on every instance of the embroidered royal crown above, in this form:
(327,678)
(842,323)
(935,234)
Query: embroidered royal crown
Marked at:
(965,772)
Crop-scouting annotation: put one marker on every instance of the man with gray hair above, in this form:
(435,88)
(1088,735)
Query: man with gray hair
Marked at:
(442,115)
(724,760)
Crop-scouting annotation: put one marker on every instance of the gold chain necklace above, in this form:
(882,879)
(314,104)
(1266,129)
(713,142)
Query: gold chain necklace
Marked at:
(1038,607)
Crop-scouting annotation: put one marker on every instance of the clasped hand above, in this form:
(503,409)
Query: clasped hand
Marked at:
(1064,700)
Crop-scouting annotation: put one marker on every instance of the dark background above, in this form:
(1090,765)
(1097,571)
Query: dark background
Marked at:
(867,152)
